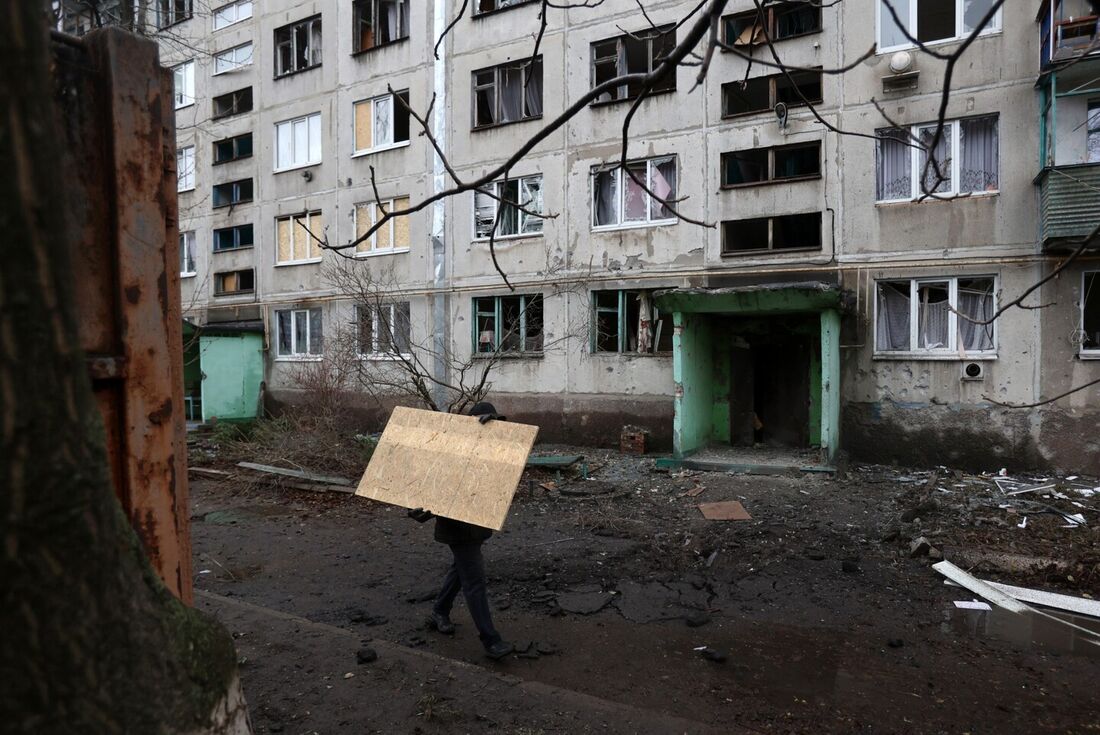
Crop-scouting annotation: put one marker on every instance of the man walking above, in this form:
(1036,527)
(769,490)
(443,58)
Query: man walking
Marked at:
(467,572)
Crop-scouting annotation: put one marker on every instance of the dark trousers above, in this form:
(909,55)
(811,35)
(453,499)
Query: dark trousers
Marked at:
(467,573)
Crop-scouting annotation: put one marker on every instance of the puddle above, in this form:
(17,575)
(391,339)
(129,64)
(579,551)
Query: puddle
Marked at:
(1029,631)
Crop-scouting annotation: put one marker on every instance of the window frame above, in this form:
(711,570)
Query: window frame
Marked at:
(996,26)
(188,246)
(238,96)
(771,22)
(295,164)
(773,96)
(498,99)
(771,177)
(391,223)
(499,9)
(187,14)
(311,25)
(236,230)
(238,292)
(181,177)
(497,312)
(294,230)
(236,65)
(955,153)
(1083,353)
(952,352)
(375,354)
(522,218)
(725,252)
(621,190)
(294,355)
(187,98)
(237,155)
(394,108)
(355,21)
(239,18)
(660,32)
(621,312)
(235,199)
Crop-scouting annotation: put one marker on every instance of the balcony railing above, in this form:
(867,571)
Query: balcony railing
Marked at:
(1069,203)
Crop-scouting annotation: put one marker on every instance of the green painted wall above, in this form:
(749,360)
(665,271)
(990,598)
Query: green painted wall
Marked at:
(830,382)
(692,371)
(233,366)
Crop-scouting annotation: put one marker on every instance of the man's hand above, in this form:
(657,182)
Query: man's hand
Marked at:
(419,514)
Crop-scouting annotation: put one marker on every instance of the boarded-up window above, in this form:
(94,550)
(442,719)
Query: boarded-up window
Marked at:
(298,238)
(382,122)
(392,236)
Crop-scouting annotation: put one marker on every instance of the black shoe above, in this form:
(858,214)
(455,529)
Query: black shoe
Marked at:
(499,650)
(441,623)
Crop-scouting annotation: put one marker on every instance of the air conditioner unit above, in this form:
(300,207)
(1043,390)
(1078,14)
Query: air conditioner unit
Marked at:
(972,371)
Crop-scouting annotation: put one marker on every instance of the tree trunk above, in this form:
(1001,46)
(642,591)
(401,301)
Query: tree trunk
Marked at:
(92,641)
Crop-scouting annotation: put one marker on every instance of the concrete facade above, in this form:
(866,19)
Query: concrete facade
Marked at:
(911,407)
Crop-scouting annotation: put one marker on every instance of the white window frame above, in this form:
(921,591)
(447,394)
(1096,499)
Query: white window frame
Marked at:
(953,130)
(374,137)
(375,353)
(296,232)
(187,244)
(523,219)
(312,124)
(651,201)
(882,15)
(388,205)
(1093,353)
(186,98)
(231,55)
(294,354)
(952,351)
(242,11)
(185,174)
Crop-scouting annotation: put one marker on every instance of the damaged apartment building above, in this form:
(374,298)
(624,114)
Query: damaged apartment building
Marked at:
(830,305)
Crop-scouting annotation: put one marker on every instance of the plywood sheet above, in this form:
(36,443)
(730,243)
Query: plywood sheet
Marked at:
(401,224)
(363,125)
(448,464)
(727,510)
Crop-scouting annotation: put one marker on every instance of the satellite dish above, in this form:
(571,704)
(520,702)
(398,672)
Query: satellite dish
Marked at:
(781,114)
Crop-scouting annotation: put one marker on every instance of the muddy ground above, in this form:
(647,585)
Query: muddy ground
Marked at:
(826,622)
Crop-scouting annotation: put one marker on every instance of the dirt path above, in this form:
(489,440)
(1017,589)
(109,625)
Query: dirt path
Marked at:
(826,623)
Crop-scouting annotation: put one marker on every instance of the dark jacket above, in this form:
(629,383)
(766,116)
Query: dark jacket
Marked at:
(450,531)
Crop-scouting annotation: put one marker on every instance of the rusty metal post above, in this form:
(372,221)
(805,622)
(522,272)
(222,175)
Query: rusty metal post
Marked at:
(119,121)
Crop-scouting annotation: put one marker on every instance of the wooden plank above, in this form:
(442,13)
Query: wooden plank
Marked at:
(448,464)
(727,510)
(296,473)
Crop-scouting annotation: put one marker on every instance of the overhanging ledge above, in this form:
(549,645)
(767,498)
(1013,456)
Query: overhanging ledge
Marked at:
(765,298)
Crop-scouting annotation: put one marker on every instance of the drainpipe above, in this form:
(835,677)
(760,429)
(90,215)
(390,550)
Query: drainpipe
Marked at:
(439,300)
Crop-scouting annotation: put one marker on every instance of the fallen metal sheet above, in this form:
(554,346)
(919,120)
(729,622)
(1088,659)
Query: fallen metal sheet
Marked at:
(972,605)
(448,464)
(301,475)
(727,510)
(978,587)
(1068,603)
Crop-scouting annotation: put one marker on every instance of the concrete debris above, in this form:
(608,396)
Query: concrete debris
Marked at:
(583,603)
(366,655)
(922,547)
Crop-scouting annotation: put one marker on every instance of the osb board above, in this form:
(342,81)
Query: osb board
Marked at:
(727,510)
(452,465)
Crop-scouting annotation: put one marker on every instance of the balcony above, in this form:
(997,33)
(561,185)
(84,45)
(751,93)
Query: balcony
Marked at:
(1069,204)
(1069,30)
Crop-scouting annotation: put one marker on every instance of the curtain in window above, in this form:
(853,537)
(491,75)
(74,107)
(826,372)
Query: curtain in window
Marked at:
(531,198)
(606,197)
(507,213)
(533,89)
(645,323)
(933,316)
(485,211)
(976,302)
(893,175)
(510,88)
(978,156)
(662,182)
(635,200)
(892,329)
(937,173)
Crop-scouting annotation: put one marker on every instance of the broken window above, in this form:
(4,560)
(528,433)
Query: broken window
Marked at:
(638,53)
(298,142)
(187,253)
(233,238)
(780,21)
(1090,313)
(299,332)
(929,21)
(517,214)
(488,6)
(230,149)
(298,46)
(935,315)
(231,283)
(965,160)
(381,122)
(232,13)
(508,93)
(183,81)
(618,200)
(298,238)
(170,12)
(185,168)
(761,94)
(379,22)
(233,103)
(234,58)
(508,324)
(232,192)
(782,232)
(760,165)
(391,237)
(629,321)
(383,329)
